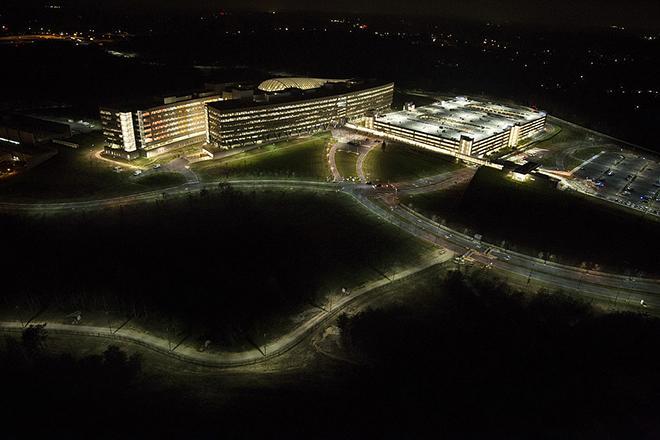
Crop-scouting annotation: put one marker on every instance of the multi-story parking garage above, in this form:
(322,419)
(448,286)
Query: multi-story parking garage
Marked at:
(461,126)
(294,106)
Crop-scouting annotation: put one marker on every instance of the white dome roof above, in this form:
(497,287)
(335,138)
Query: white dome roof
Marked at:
(280,84)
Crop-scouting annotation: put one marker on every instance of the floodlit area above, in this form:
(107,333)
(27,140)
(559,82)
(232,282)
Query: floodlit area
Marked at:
(461,117)
(461,125)
(621,177)
(597,165)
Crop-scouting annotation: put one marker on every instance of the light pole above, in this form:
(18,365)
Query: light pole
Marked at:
(107,316)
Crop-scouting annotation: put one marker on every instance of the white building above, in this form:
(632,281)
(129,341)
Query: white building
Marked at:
(461,126)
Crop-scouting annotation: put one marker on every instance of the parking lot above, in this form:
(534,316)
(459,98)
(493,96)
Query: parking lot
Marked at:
(625,178)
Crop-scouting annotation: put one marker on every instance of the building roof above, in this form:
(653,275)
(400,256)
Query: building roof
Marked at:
(451,119)
(298,95)
(153,102)
(281,84)
(526,168)
(31,124)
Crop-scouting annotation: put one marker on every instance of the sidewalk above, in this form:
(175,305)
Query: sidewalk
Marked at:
(190,354)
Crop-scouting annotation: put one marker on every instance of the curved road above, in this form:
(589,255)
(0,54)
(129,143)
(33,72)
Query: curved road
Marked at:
(370,198)
(615,288)
(273,349)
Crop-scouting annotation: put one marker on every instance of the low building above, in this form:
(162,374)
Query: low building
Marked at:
(21,129)
(287,107)
(461,126)
(522,172)
(152,127)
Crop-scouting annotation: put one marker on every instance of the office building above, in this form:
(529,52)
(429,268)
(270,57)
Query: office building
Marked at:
(286,107)
(150,128)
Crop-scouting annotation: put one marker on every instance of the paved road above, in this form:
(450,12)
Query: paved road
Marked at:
(181,166)
(602,285)
(371,199)
(359,165)
(611,287)
(364,146)
(273,349)
(332,162)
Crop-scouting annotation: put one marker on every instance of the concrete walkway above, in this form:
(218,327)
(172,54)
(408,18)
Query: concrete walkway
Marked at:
(332,163)
(364,151)
(273,349)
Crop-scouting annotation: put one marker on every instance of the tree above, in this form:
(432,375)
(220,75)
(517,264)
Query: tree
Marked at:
(114,357)
(34,338)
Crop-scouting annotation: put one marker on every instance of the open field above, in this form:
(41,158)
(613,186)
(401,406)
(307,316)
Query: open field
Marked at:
(431,332)
(303,157)
(398,162)
(74,174)
(534,218)
(227,266)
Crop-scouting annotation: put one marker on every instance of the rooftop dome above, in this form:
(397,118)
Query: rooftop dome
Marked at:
(280,84)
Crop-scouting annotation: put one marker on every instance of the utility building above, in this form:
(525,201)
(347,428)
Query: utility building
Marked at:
(287,107)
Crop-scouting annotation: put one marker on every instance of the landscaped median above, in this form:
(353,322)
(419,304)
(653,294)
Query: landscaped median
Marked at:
(396,162)
(298,158)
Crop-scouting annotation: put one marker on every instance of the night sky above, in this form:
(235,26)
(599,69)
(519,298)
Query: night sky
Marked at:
(645,13)
(630,13)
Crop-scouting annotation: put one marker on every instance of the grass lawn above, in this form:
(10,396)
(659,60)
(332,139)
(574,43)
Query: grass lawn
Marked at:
(532,217)
(228,264)
(303,157)
(346,163)
(560,133)
(580,156)
(587,153)
(565,137)
(160,180)
(165,157)
(73,174)
(399,162)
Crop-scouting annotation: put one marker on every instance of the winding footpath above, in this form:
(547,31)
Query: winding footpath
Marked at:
(603,286)
(253,356)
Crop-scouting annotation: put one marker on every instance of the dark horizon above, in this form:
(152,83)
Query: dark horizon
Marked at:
(635,14)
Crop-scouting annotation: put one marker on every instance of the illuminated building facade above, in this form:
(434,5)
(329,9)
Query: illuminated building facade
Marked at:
(461,126)
(294,106)
(148,130)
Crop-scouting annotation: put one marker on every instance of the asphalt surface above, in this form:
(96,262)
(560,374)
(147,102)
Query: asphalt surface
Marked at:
(614,288)
(252,356)
(600,285)
(610,287)
(374,200)
(624,178)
